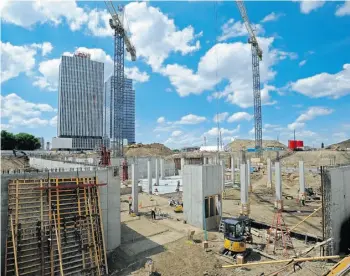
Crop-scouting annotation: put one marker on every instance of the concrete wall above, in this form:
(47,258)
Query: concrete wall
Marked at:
(200,181)
(339,208)
(39,163)
(127,190)
(109,195)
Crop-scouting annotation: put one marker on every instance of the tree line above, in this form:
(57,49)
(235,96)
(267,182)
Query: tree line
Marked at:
(20,141)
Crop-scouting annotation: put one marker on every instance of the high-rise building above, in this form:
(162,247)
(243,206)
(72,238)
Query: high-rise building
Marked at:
(80,101)
(42,143)
(111,109)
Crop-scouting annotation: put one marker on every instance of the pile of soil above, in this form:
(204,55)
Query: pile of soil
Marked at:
(239,144)
(140,150)
(12,163)
(340,146)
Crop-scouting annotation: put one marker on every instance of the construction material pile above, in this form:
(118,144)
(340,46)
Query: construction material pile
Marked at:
(55,228)
(344,145)
(140,150)
(239,144)
(14,163)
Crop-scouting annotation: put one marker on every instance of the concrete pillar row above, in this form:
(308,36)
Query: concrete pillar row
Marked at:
(222,165)
(149,174)
(301,179)
(182,165)
(269,173)
(278,181)
(157,171)
(161,168)
(134,188)
(244,190)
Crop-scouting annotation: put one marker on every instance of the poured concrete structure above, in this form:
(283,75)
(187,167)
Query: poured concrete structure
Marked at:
(278,187)
(269,173)
(161,168)
(337,208)
(248,176)
(134,188)
(244,190)
(233,170)
(157,172)
(301,179)
(201,182)
(149,176)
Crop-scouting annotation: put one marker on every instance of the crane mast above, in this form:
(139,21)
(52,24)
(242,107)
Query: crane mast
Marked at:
(256,58)
(117,96)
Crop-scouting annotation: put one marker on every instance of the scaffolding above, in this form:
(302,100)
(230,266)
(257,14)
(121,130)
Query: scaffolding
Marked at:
(55,227)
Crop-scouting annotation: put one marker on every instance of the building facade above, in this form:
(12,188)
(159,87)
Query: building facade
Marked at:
(80,101)
(42,143)
(111,109)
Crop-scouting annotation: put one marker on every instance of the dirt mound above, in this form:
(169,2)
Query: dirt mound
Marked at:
(154,149)
(11,162)
(341,146)
(239,144)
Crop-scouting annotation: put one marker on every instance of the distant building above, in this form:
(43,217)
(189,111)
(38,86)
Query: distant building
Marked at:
(80,103)
(111,109)
(189,149)
(42,143)
(211,148)
(47,145)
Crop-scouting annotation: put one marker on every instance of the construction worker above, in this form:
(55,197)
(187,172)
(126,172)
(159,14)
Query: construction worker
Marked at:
(130,204)
(302,199)
(153,213)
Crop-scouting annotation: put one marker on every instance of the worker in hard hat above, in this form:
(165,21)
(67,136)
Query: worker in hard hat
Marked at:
(130,204)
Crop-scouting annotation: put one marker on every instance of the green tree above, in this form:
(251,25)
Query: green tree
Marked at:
(8,140)
(26,141)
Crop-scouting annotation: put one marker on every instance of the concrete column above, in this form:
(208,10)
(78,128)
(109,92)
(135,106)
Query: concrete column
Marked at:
(301,179)
(149,171)
(157,171)
(134,188)
(182,165)
(278,181)
(233,170)
(244,190)
(248,177)
(205,160)
(161,168)
(269,173)
(222,165)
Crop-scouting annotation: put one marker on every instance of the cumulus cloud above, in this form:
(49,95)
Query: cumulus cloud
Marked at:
(240,116)
(135,74)
(310,114)
(220,117)
(176,133)
(306,6)
(224,131)
(191,119)
(235,29)
(19,59)
(302,63)
(343,9)
(160,120)
(20,112)
(325,84)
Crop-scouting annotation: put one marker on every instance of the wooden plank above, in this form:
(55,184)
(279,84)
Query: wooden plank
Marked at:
(79,213)
(42,230)
(16,210)
(88,228)
(58,244)
(50,226)
(15,247)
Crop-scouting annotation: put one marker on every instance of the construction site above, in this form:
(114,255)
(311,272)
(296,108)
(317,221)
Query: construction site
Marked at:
(255,207)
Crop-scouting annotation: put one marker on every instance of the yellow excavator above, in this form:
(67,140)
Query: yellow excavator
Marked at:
(237,232)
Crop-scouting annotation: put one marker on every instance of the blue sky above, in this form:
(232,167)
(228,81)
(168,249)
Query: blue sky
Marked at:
(193,63)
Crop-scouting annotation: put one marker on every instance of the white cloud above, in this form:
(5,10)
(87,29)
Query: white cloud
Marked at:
(49,74)
(235,29)
(220,117)
(135,74)
(53,121)
(224,131)
(306,6)
(191,119)
(272,17)
(45,48)
(325,84)
(302,63)
(176,133)
(28,13)
(15,60)
(6,126)
(310,114)
(98,23)
(23,113)
(232,64)
(343,9)
(160,120)
(240,116)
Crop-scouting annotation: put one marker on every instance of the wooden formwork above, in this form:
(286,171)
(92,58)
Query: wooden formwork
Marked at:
(55,227)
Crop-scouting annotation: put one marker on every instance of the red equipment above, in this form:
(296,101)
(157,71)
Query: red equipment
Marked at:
(292,144)
(105,157)
(299,144)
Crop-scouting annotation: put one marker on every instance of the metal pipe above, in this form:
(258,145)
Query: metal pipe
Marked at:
(295,226)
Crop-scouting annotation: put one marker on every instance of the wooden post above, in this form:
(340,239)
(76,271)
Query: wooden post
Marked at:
(14,244)
(42,229)
(79,213)
(87,224)
(58,240)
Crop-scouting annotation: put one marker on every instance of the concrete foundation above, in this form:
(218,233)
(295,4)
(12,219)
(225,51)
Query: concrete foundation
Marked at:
(269,173)
(248,176)
(278,187)
(201,182)
(135,190)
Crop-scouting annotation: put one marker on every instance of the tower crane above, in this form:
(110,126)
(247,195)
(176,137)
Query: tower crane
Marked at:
(256,58)
(121,39)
